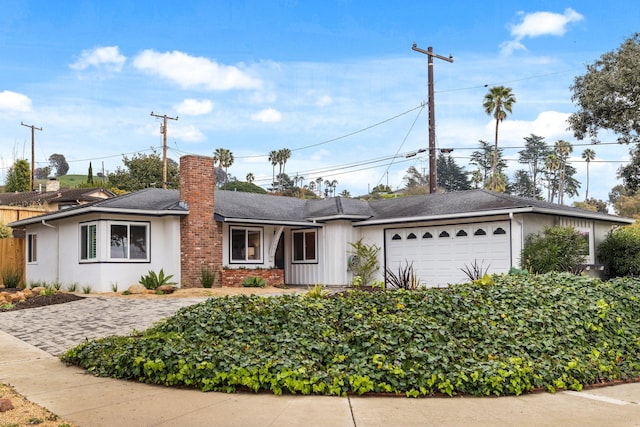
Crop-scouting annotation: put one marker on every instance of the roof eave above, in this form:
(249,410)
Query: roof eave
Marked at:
(495,212)
(93,209)
(231,220)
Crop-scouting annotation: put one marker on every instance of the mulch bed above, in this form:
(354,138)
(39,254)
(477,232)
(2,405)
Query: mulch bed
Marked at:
(42,300)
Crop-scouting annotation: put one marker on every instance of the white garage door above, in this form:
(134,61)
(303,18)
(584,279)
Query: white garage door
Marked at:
(439,253)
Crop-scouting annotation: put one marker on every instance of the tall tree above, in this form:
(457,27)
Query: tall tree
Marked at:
(608,95)
(90,175)
(282,156)
(273,158)
(562,149)
(497,103)
(630,173)
(144,171)
(414,180)
(319,185)
(552,168)
(484,158)
(522,185)
(18,177)
(534,153)
(451,176)
(42,173)
(588,155)
(59,163)
(224,158)
(250,178)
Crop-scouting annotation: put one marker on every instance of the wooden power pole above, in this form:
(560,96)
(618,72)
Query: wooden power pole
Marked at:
(163,131)
(33,153)
(432,115)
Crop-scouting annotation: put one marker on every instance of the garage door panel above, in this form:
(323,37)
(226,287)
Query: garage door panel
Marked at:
(438,253)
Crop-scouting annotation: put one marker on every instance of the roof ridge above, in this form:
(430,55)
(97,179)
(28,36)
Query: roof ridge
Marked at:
(339,207)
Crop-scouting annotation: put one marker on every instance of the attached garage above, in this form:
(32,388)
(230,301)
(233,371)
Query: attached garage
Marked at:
(438,253)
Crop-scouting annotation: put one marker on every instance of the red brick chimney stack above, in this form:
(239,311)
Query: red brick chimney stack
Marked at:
(200,238)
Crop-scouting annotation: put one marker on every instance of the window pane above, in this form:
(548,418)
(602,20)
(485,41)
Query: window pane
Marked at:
(88,242)
(84,241)
(119,241)
(310,246)
(138,239)
(32,248)
(253,245)
(92,241)
(238,244)
(298,246)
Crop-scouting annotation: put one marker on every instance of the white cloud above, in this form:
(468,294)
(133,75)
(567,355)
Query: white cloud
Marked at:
(323,101)
(12,101)
(194,72)
(551,125)
(538,24)
(106,58)
(268,115)
(187,133)
(193,107)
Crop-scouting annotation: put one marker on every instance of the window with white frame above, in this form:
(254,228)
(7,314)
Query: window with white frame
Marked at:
(128,241)
(88,240)
(246,245)
(32,248)
(304,246)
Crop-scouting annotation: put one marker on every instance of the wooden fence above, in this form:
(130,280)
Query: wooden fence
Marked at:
(14,213)
(12,254)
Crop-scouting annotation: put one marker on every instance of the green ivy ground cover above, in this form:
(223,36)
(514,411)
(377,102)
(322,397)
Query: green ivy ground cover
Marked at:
(555,331)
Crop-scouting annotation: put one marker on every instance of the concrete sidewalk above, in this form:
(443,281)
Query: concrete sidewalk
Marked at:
(90,401)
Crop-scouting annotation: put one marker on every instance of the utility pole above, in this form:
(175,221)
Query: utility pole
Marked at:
(163,131)
(432,115)
(33,152)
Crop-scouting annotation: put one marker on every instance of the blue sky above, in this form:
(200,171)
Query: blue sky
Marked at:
(314,77)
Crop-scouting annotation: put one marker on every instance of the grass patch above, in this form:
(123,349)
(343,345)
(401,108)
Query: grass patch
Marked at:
(517,334)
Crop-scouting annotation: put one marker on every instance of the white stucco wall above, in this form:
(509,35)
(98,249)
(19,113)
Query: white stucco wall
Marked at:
(59,254)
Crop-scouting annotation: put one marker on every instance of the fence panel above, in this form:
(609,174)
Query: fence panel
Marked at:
(12,255)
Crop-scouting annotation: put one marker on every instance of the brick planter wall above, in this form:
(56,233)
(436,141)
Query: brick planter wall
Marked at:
(200,235)
(233,277)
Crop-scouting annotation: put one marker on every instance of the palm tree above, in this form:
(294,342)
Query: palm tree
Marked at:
(552,165)
(273,158)
(345,193)
(588,154)
(497,103)
(224,158)
(282,156)
(250,178)
(476,178)
(319,185)
(333,184)
(562,150)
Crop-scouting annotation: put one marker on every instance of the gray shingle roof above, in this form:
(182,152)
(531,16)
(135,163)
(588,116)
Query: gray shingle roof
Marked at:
(238,206)
(464,202)
(59,196)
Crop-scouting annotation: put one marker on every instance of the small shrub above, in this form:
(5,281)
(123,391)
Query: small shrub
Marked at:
(48,291)
(57,285)
(560,249)
(72,287)
(7,306)
(114,287)
(363,261)
(405,279)
(475,271)
(153,281)
(316,292)
(12,278)
(207,276)
(86,289)
(254,282)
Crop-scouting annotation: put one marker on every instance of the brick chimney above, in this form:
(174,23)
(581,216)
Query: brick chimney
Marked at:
(200,235)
